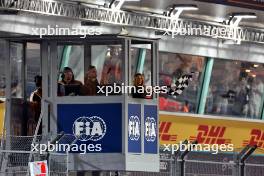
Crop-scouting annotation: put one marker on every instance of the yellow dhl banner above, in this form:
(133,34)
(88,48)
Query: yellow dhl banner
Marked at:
(2,115)
(174,129)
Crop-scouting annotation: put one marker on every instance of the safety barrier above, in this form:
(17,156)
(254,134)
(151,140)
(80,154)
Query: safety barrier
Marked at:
(16,153)
(202,164)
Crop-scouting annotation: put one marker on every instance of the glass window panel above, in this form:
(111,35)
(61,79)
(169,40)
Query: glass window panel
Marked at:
(32,108)
(171,68)
(141,59)
(18,120)
(71,69)
(72,56)
(236,89)
(33,66)
(16,54)
(108,61)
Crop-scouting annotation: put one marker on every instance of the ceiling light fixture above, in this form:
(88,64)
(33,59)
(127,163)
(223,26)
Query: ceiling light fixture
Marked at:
(233,22)
(116,4)
(231,42)
(176,10)
(247,71)
(235,18)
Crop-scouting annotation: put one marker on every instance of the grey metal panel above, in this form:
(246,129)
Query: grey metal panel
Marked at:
(141,163)
(106,161)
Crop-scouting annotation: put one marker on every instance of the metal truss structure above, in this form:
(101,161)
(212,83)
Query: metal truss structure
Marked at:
(166,25)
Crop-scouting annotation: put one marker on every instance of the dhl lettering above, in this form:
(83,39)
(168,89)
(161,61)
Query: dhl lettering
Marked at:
(210,135)
(164,132)
(256,138)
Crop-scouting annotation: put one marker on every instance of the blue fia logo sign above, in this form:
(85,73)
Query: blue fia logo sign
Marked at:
(150,129)
(134,128)
(89,128)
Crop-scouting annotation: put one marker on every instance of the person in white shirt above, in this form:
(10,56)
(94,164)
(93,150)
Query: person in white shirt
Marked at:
(255,98)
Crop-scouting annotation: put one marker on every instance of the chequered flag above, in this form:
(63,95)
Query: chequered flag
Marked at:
(181,83)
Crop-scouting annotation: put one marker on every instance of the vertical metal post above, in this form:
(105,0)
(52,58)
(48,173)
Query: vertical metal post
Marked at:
(126,77)
(243,156)
(24,72)
(24,88)
(53,84)
(261,111)
(155,82)
(130,77)
(7,58)
(87,56)
(205,85)
(67,163)
(155,69)
(182,164)
(45,86)
(182,156)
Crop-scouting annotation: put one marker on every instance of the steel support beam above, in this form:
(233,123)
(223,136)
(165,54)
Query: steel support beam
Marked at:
(161,23)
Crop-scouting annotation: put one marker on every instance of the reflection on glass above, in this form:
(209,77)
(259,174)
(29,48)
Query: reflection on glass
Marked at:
(18,119)
(172,67)
(16,55)
(108,61)
(72,56)
(236,89)
(142,62)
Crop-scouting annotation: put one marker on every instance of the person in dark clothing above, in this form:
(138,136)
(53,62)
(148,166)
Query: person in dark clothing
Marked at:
(35,102)
(139,85)
(91,83)
(67,81)
(37,94)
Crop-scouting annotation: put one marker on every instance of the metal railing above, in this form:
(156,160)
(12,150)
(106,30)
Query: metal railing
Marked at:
(14,159)
(15,156)
(17,162)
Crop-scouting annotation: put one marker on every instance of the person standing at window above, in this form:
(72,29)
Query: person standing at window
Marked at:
(90,82)
(256,93)
(35,102)
(68,80)
(37,94)
(139,84)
